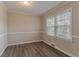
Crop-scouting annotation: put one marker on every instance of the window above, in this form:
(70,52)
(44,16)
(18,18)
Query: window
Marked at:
(50,25)
(63,25)
(60,25)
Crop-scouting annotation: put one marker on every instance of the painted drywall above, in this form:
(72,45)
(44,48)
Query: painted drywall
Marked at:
(23,28)
(3,28)
(71,48)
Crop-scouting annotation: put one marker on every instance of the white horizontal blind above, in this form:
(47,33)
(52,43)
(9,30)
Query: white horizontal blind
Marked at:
(60,25)
(51,26)
(63,26)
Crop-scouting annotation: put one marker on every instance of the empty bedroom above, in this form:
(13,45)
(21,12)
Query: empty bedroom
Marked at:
(39,28)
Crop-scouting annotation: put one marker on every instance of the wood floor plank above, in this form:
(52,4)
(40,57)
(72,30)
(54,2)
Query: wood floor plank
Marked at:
(37,49)
(26,50)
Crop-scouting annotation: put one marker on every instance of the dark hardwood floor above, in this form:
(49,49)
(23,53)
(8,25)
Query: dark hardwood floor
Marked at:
(37,49)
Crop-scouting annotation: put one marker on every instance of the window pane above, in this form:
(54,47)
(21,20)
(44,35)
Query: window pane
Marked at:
(67,18)
(60,19)
(63,25)
(50,30)
(64,19)
(50,21)
(63,31)
(50,25)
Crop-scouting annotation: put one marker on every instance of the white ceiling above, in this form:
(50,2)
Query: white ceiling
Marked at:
(36,8)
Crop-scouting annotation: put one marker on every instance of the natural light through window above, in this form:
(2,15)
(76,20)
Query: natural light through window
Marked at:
(60,25)
(51,25)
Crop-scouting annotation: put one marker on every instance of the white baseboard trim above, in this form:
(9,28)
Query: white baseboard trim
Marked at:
(3,50)
(4,47)
(46,42)
(60,49)
(23,42)
(65,52)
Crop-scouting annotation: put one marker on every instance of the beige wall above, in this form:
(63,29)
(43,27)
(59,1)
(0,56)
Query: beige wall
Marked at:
(23,28)
(26,28)
(3,27)
(71,48)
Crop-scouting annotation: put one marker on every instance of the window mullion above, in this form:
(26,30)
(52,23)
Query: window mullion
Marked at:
(55,26)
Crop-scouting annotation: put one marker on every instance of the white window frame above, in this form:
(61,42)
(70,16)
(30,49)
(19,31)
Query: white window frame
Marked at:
(69,9)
